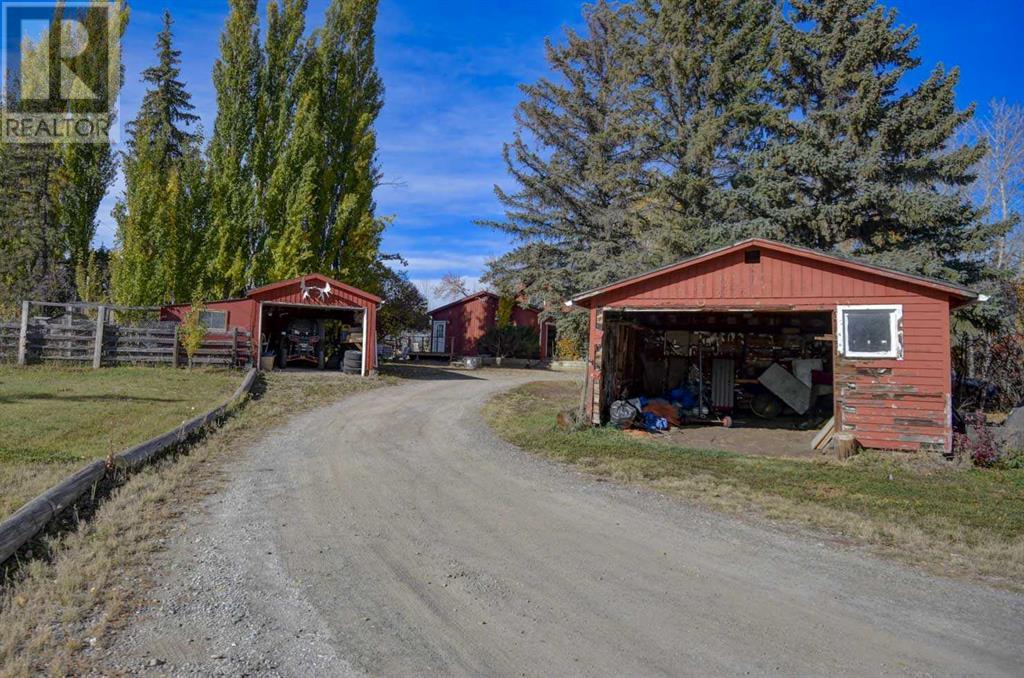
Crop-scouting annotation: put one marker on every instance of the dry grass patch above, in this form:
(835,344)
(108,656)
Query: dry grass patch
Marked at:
(59,610)
(946,519)
(54,419)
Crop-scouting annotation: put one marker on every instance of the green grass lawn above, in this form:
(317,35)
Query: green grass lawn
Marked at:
(53,419)
(948,519)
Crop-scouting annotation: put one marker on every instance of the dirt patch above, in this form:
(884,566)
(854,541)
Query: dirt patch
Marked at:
(745,437)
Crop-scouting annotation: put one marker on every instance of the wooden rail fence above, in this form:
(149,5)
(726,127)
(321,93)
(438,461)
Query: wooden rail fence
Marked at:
(76,337)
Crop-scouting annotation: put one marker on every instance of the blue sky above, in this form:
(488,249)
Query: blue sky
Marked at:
(450,70)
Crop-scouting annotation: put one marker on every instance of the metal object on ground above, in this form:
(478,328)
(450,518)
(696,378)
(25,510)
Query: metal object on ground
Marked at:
(791,390)
(723,383)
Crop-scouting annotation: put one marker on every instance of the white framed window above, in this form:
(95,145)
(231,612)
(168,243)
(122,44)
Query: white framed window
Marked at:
(870,331)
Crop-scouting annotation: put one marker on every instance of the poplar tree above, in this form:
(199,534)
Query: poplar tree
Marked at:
(865,165)
(286,51)
(234,240)
(328,170)
(84,171)
(162,216)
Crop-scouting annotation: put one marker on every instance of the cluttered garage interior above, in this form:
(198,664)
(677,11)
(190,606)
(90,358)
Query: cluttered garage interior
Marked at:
(763,347)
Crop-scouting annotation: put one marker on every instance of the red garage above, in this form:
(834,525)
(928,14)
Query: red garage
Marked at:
(297,319)
(777,330)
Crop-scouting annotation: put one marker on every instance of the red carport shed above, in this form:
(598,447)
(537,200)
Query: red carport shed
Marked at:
(265,312)
(874,343)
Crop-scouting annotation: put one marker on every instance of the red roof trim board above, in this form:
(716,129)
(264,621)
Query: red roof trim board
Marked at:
(315,276)
(953,289)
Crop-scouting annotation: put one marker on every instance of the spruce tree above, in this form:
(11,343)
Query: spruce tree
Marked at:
(579,213)
(864,165)
(628,158)
(162,216)
(234,242)
(705,106)
(166,109)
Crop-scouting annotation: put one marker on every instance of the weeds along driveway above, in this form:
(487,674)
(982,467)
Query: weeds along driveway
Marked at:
(393,534)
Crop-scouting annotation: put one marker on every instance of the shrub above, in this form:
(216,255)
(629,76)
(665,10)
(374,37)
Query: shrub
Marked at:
(1012,459)
(512,341)
(977,444)
(566,348)
(192,332)
(573,332)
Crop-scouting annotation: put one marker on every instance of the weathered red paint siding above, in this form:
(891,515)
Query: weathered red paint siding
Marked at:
(245,313)
(468,319)
(891,403)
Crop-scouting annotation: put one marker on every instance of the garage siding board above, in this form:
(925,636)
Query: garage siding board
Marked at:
(893,404)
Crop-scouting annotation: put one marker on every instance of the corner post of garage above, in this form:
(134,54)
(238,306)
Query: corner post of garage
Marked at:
(592,404)
(258,338)
(367,343)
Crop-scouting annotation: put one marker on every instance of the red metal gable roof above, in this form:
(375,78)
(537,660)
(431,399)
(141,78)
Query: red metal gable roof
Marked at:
(463,300)
(953,289)
(314,277)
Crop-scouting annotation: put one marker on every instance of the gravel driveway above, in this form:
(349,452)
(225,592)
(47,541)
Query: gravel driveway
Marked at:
(392,535)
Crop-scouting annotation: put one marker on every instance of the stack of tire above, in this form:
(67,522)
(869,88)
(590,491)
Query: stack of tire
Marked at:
(352,363)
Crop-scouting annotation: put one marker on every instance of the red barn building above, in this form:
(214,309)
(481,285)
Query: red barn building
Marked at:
(266,311)
(882,336)
(456,328)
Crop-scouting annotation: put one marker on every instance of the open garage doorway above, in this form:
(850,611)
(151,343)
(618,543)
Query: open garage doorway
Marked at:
(771,371)
(297,336)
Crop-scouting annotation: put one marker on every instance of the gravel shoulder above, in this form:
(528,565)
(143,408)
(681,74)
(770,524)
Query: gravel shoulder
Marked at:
(392,534)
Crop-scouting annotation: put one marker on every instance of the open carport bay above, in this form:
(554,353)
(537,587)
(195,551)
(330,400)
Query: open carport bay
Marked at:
(769,370)
(310,336)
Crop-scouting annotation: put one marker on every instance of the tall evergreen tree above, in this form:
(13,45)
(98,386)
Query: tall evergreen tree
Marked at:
(861,165)
(50,194)
(579,212)
(628,157)
(706,106)
(162,216)
(166,109)
(234,240)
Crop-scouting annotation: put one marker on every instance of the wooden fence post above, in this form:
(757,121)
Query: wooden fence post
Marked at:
(97,351)
(23,335)
(234,347)
(174,349)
